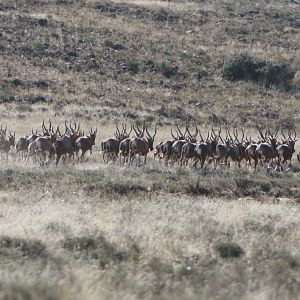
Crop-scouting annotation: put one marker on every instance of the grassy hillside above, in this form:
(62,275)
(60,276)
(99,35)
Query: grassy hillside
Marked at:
(147,60)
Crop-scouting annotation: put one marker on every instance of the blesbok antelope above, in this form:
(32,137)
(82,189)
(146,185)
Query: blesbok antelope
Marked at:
(31,152)
(124,150)
(141,146)
(110,147)
(7,143)
(158,151)
(85,143)
(286,150)
(42,147)
(124,146)
(221,147)
(178,144)
(31,138)
(201,153)
(22,146)
(65,144)
(250,154)
(166,148)
(266,150)
(236,150)
(203,150)
(188,149)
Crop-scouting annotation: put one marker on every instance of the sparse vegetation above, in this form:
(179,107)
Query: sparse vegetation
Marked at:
(169,240)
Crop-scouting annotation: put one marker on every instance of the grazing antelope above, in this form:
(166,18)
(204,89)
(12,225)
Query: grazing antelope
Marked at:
(141,146)
(85,143)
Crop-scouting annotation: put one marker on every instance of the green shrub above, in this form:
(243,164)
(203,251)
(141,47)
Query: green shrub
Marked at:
(100,249)
(227,250)
(133,66)
(22,247)
(245,67)
(166,69)
(14,81)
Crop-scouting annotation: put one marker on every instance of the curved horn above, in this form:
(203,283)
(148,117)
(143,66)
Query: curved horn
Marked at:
(172,134)
(50,125)
(155,131)
(201,137)
(130,130)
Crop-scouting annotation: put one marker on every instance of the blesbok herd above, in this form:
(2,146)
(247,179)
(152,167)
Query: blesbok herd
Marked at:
(184,146)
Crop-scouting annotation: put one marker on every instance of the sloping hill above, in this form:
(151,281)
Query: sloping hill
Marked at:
(147,60)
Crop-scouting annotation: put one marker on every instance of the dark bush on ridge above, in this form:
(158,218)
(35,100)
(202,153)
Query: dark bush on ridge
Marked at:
(245,67)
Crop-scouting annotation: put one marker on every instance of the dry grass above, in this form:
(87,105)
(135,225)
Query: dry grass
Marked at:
(149,245)
(96,230)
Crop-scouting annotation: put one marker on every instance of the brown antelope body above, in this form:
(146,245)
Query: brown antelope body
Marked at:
(111,146)
(286,150)
(85,143)
(141,146)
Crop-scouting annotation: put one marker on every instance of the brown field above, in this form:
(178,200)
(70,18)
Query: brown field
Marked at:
(102,231)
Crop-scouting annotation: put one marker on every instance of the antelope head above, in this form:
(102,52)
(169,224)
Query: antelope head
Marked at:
(292,140)
(92,135)
(12,138)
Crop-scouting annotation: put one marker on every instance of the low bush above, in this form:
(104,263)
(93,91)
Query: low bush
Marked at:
(22,247)
(245,67)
